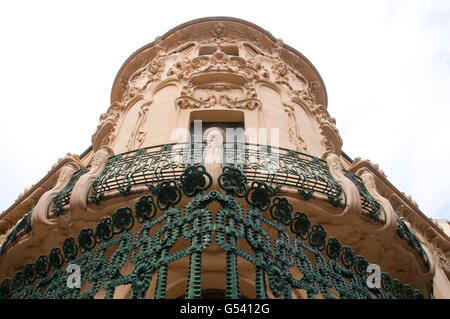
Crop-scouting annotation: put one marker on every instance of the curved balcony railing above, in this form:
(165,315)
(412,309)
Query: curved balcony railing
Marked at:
(286,251)
(369,204)
(274,166)
(63,198)
(22,227)
(404,232)
(146,166)
(283,167)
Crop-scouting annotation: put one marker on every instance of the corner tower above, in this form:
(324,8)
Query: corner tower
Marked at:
(159,207)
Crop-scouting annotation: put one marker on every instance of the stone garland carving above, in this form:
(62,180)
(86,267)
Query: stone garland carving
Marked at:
(185,70)
(285,77)
(143,77)
(283,74)
(81,189)
(138,82)
(225,32)
(219,32)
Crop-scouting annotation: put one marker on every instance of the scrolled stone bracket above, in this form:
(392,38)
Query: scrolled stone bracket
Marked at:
(350,193)
(39,218)
(80,192)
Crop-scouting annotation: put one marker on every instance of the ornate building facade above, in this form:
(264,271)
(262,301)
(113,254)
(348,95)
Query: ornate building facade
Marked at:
(167,203)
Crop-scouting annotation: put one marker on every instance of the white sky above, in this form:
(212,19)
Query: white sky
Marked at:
(386,66)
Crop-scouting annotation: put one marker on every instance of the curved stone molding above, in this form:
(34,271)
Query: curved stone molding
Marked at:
(39,222)
(257,41)
(31,195)
(221,73)
(39,218)
(138,135)
(104,133)
(350,192)
(81,188)
(390,222)
(43,229)
(331,137)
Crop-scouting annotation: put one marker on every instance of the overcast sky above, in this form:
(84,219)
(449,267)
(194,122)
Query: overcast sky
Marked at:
(385,64)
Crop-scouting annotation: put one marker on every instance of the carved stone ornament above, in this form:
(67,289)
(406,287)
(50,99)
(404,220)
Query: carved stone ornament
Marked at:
(177,55)
(104,133)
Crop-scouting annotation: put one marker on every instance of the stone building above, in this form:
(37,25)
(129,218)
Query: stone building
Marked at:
(217,171)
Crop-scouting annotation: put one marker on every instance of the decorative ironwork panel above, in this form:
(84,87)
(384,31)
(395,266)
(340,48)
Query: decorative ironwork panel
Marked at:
(404,232)
(286,251)
(63,197)
(369,204)
(147,166)
(23,226)
(279,166)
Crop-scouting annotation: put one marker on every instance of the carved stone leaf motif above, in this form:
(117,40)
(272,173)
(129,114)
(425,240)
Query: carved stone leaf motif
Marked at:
(143,77)
(295,138)
(250,104)
(218,62)
(138,135)
(219,31)
(251,70)
(185,102)
(327,123)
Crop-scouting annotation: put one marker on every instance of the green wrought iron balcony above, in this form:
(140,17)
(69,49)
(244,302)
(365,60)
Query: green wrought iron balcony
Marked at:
(275,166)
(288,252)
(283,167)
